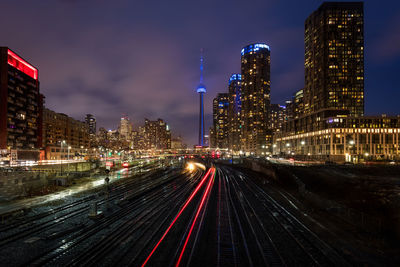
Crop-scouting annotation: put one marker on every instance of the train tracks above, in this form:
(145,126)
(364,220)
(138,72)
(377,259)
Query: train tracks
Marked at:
(214,218)
(281,237)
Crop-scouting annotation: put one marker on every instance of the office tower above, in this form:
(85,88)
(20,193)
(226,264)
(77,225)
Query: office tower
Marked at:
(234,110)
(278,114)
(255,67)
(20,103)
(220,116)
(334,58)
(157,134)
(91,122)
(125,128)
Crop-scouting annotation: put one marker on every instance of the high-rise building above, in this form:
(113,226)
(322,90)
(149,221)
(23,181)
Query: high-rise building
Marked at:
(294,108)
(212,139)
(298,103)
(176,143)
(334,58)
(255,67)
(157,134)
(125,128)
(278,113)
(21,104)
(234,111)
(332,125)
(221,122)
(91,123)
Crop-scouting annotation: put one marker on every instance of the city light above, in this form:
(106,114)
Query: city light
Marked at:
(190,166)
(254,48)
(20,64)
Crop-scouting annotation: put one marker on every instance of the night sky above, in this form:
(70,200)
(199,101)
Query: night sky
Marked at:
(141,58)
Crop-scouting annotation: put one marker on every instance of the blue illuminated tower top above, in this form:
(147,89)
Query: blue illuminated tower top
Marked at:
(254,48)
(201,88)
(235,77)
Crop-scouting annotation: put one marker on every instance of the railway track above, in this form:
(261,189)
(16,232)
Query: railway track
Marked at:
(261,251)
(52,212)
(306,248)
(151,217)
(79,207)
(79,240)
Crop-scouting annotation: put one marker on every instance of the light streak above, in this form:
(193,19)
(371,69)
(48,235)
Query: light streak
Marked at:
(177,216)
(195,218)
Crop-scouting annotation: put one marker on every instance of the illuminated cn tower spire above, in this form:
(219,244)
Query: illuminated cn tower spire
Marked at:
(201,89)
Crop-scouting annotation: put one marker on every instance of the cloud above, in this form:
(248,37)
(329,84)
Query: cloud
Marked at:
(140,58)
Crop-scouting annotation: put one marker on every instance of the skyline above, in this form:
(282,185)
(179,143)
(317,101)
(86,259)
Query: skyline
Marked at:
(117,76)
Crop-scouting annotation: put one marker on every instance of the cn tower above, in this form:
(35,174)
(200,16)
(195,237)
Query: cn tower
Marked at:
(201,89)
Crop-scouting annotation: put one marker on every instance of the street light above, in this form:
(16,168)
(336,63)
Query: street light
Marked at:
(302,143)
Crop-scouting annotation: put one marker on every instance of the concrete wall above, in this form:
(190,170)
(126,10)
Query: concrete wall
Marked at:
(19,184)
(40,179)
(72,167)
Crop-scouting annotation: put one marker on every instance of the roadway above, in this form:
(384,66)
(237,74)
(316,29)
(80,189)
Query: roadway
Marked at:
(199,217)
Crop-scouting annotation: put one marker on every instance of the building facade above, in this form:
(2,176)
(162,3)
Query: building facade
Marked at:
(20,104)
(221,122)
(334,58)
(234,111)
(157,134)
(58,127)
(91,123)
(330,136)
(125,128)
(278,117)
(328,121)
(255,98)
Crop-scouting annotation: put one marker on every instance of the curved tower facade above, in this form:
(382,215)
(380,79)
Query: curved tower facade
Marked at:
(255,98)
(201,89)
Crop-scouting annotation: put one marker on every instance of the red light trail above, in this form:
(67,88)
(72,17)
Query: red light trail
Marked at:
(178,215)
(195,218)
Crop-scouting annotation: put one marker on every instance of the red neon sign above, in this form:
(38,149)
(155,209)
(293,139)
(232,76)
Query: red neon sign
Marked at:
(109,163)
(20,64)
